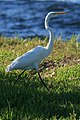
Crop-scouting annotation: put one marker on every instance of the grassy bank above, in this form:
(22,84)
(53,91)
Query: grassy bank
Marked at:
(28,99)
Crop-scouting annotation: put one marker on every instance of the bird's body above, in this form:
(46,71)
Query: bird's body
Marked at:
(29,60)
(32,58)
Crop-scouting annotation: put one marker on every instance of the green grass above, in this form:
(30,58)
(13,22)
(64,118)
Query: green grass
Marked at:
(28,99)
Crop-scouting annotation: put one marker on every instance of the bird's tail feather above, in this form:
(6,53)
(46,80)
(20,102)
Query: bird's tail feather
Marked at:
(8,68)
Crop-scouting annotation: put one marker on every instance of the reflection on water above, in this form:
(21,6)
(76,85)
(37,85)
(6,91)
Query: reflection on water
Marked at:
(26,18)
(76,1)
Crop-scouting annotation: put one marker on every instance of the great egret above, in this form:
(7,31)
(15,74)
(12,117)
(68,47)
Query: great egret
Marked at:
(32,58)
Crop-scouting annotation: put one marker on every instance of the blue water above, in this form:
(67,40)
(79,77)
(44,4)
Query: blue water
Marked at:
(26,18)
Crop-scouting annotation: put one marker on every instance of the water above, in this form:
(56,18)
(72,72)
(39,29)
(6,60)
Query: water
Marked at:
(26,18)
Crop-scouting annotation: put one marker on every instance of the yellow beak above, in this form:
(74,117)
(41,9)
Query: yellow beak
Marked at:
(62,12)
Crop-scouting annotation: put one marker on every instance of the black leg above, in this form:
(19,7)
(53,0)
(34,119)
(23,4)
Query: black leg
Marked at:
(42,81)
(21,74)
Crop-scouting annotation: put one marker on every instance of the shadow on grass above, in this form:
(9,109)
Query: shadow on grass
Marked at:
(28,98)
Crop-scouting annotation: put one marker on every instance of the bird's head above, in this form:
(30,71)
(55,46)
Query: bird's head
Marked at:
(51,15)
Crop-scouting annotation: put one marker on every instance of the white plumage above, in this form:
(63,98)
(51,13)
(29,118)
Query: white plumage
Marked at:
(32,58)
(28,60)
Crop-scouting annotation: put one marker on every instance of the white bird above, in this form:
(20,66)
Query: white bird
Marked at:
(32,58)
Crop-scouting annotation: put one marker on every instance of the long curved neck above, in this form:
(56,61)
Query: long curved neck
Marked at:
(51,39)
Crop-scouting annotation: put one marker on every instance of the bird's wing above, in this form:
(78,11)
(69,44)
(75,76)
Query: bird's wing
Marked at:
(29,58)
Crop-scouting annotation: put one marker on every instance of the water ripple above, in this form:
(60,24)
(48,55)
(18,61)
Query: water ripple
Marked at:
(27,18)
